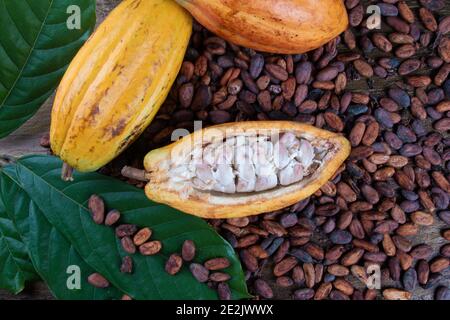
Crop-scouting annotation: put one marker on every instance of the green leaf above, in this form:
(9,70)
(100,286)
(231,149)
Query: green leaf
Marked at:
(52,255)
(16,268)
(36,47)
(64,206)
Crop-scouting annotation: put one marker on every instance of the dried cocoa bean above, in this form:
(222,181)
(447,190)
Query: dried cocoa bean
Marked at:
(97,208)
(323,291)
(422,218)
(428,19)
(263,289)
(423,271)
(224,291)
(394,268)
(343,286)
(396,294)
(217,264)
(352,257)
(98,281)
(112,217)
(284,266)
(442,293)
(173,264)
(439,264)
(126,230)
(304,294)
(150,248)
(310,274)
(363,68)
(338,270)
(142,236)
(249,261)
(200,273)
(405,12)
(277,72)
(219,277)
(409,279)
(128,245)
(127,265)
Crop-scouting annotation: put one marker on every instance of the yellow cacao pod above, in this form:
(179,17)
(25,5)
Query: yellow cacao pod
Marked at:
(245,168)
(278,26)
(117,81)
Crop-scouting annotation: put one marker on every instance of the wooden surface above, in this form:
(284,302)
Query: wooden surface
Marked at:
(26,140)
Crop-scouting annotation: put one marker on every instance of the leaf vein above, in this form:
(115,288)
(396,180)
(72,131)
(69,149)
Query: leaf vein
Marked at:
(29,55)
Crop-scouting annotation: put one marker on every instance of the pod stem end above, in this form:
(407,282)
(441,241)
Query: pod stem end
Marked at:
(67,172)
(136,174)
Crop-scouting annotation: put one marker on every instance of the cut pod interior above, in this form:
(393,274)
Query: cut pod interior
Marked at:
(248,162)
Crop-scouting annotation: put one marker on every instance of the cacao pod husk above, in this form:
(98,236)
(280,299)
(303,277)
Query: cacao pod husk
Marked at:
(277,26)
(229,191)
(118,80)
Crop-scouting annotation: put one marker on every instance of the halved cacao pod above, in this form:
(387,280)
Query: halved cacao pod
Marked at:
(244,168)
(117,81)
(278,26)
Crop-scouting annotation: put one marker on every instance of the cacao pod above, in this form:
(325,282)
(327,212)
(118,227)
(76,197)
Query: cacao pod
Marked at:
(244,168)
(277,26)
(117,81)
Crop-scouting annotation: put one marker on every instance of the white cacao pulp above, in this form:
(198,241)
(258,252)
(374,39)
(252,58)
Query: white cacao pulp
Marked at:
(246,163)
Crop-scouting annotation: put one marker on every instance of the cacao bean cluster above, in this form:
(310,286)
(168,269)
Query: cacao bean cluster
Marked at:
(133,238)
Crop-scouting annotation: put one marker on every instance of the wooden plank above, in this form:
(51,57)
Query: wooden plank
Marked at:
(33,291)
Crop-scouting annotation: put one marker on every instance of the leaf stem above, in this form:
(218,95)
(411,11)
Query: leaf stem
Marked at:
(136,174)
(66,172)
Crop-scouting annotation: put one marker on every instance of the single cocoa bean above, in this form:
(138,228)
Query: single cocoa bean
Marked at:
(343,286)
(142,236)
(310,274)
(263,289)
(323,291)
(423,271)
(304,294)
(224,291)
(363,68)
(338,270)
(217,264)
(284,266)
(442,293)
(200,273)
(422,218)
(97,208)
(150,248)
(126,230)
(277,72)
(249,261)
(219,277)
(428,19)
(128,245)
(127,265)
(112,217)
(409,279)
(439,264)
(396,294)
